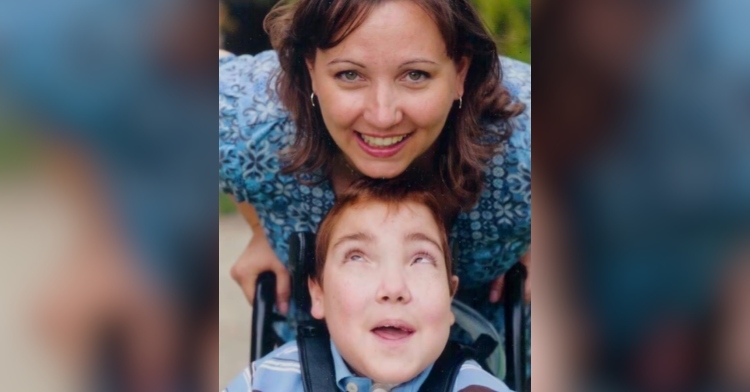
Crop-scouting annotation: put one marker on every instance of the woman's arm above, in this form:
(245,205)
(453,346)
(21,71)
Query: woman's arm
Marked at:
(234,178)
(259,257)
(496,287)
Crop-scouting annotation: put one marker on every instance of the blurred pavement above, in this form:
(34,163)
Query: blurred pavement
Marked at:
(35,227)
(234,311)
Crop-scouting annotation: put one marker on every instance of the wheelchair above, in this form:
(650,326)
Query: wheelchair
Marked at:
(507,363)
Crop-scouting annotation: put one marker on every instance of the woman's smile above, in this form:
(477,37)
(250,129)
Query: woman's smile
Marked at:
(382,147)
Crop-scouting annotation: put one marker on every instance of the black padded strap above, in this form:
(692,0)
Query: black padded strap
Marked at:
(318,372)
(445,370)
(480,350)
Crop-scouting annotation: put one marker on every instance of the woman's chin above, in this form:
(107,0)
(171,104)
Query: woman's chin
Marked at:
(384,171)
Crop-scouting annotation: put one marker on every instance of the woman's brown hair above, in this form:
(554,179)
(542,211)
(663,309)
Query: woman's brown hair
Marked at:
(298,29)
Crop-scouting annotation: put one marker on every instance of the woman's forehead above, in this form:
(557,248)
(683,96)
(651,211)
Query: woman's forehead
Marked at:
(399,28)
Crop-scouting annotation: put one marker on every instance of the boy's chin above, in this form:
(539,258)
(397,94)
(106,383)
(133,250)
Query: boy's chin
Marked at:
(392,373)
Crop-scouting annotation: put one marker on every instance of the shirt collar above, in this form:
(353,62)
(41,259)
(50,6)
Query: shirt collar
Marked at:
(344,376)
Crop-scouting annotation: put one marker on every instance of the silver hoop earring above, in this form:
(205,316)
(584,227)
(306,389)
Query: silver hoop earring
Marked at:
(460,102)
(312,98)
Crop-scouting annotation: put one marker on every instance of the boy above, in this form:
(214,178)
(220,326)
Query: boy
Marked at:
(383,284)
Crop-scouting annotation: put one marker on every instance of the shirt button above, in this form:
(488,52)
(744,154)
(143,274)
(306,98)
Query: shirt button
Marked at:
(351,387)
(379,389)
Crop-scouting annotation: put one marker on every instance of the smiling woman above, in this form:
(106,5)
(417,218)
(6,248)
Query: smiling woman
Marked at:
(398,69)
(384,89)
(385,101)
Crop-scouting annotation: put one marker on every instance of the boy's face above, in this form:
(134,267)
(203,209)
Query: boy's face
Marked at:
(385,294)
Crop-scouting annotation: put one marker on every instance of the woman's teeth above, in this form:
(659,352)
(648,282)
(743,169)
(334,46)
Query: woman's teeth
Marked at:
(382,141)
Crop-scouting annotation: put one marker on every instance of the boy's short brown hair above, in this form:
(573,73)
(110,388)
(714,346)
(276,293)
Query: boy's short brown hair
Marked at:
(391,192)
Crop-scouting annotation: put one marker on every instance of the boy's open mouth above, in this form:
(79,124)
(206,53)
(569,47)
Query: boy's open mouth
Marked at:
(393,330)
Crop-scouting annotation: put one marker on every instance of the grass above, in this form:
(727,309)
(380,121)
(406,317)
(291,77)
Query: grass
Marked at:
(226,205)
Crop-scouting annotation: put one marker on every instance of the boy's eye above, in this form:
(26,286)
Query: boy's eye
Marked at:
(423,259)
(354,256)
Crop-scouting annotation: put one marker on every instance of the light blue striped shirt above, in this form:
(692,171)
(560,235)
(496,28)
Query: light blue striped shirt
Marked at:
(280,371)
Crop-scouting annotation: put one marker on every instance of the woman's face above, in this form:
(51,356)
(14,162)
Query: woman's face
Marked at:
(385,92)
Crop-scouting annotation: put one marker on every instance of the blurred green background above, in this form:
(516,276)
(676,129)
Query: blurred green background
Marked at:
(510,23)
(508,20)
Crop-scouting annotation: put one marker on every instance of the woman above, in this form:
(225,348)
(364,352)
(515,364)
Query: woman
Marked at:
(379,89)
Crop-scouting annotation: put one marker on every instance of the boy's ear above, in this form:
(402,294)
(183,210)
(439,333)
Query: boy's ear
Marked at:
(316,297)
(453,288)
(453,285)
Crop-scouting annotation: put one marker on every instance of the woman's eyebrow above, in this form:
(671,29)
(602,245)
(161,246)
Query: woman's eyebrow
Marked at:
(359,236)
(416,61)
(421,237)
(338,61)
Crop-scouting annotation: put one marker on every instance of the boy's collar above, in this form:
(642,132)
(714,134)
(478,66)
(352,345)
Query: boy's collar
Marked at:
(344,376)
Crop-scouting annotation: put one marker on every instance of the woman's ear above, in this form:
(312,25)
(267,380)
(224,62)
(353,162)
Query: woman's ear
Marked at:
(316,297)
(311,71)
(462,69)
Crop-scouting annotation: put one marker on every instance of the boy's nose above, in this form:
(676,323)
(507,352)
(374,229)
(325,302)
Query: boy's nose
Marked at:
(393,288)
(393,298)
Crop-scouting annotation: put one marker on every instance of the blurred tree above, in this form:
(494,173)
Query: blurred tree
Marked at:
(510,23)
(246,35)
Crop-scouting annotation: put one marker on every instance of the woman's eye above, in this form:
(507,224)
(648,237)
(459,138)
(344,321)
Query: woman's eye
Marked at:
(417,76)
(349,76)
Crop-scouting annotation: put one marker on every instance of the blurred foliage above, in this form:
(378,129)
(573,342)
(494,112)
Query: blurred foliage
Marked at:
(226,205)
(510,23)
(16,149)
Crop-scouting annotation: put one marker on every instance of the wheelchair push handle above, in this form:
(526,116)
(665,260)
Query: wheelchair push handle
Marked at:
(515,337)
(265,297)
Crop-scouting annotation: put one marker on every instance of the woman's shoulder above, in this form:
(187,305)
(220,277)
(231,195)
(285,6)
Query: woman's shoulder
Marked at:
(246,88)
(517,78)
(231,65)
(253,125)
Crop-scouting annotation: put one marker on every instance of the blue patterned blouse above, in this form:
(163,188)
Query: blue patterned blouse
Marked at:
(254,127)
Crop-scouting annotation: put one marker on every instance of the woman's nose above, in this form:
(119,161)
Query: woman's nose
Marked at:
(383,111)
